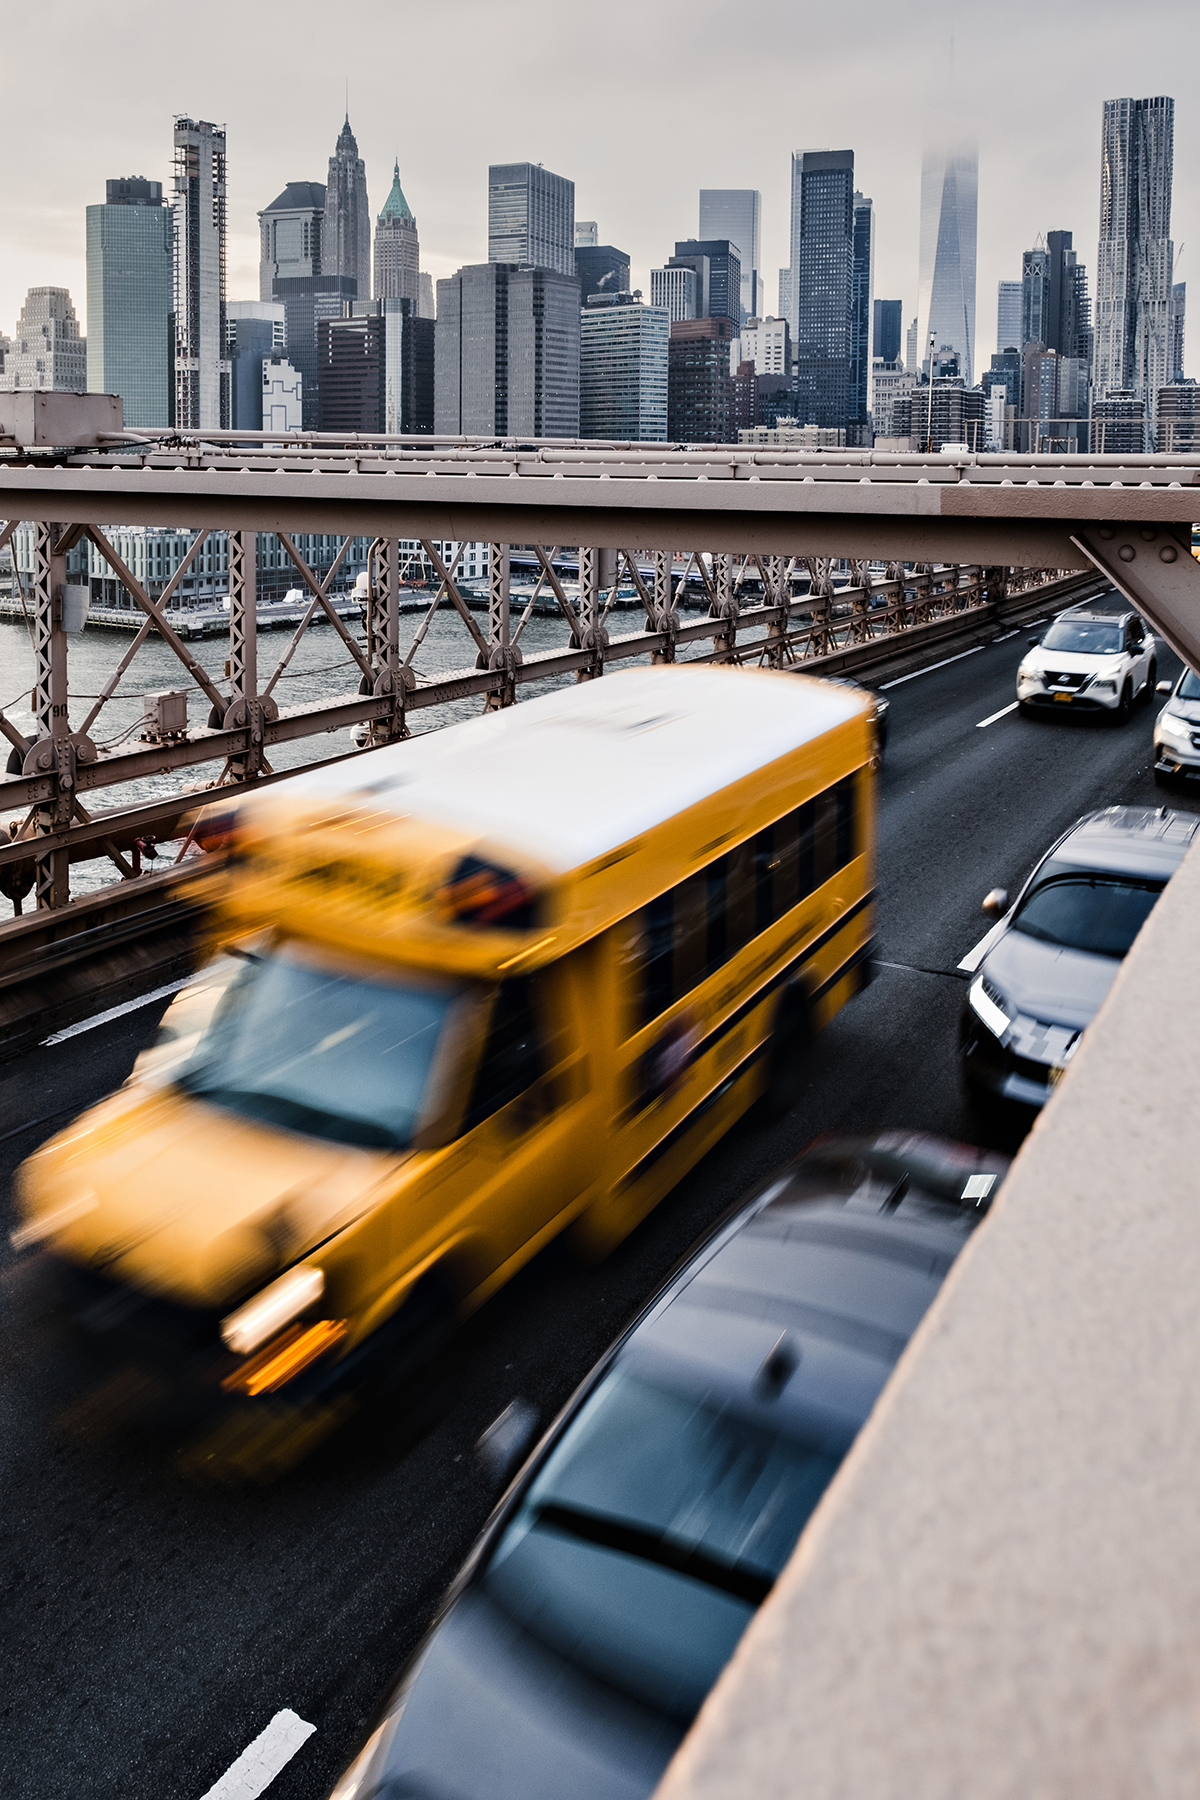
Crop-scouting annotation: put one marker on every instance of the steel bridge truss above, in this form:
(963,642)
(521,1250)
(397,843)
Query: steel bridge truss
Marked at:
(772,611)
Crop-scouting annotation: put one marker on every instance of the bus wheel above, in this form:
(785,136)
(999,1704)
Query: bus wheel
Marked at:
(787,1057)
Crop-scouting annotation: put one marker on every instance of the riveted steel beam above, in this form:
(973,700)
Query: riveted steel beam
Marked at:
(1153,567)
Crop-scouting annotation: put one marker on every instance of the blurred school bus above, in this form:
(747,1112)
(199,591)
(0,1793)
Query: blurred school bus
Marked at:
(507,978)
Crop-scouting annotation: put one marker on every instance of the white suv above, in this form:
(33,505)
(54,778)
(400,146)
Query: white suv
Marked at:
(1177,731)
(1098,657)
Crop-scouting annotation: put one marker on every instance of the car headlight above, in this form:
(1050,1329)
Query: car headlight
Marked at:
(270,1310)
(1104,687)
(1171,725)
(988,1003)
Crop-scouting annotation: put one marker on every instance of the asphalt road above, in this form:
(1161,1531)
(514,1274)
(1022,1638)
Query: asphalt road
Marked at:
(153,1626)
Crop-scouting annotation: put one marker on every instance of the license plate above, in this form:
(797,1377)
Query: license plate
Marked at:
(1066,697)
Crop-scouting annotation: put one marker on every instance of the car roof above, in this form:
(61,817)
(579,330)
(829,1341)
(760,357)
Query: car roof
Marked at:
(1130,840)
(1112,607)
(835,1281)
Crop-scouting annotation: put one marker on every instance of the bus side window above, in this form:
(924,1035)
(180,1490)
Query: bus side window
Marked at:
(846,824)
(733,881)
(512,1056)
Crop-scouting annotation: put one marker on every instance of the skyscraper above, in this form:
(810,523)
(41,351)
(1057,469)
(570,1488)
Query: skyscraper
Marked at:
(531,217)
(1008,315)
(736,214)
(408,368)
(700,389)
(290,233)
(822,284)
(397,248)
(1035,295)
(1135,256)
(623,369)
(718,269)
(674,288)
(346,231)
(861,321)
(130,283)
(885,330)
(946,307)
(202,392)
(507,352)
(602,269)
(587,234)
(1178,313)
(352,366)
(46,350)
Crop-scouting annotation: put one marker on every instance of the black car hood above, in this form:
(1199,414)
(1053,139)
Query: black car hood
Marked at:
(491,1715)
(1043,981)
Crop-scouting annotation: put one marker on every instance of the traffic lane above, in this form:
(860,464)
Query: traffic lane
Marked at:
(159,1626)
(965,809)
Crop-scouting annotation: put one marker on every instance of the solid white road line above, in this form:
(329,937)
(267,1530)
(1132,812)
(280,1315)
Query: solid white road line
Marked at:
(945,662)
(1002,714)
(116,1012)
(261,1761)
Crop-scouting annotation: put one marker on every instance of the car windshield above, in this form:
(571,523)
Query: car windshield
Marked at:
(655,1528)
(1088,637)
(1189,687)
(320,1052)
(1101,914)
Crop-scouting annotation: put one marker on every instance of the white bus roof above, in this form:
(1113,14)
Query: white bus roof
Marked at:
(580,771)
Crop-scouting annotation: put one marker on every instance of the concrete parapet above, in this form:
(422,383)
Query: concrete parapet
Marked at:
(1000,1594)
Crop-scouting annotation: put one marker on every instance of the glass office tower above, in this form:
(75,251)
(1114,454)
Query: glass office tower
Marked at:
(130,243)
(949,204)
(1135,260)
(736,214)
(531,217)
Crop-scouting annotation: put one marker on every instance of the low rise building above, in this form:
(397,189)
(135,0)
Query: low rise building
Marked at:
(796,437)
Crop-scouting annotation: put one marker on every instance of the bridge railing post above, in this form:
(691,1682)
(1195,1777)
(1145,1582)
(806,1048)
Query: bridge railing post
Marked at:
(52,754)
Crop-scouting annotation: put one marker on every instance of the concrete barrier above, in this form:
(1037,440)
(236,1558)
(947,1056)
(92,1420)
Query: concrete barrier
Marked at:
(1000,1594)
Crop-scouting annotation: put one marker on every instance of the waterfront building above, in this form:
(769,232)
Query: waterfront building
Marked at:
(858,423)
(623,355)
(949,202)
(282,404)
(351,368)
(130,288)
(675,288)
(202,375)
(290,236)
(718,267)
(507,352)
(397,248)
(700,390)
(1134,263)
(46,350)
(531,217)
(886,327)
(346,228)
(408,368)
(766,343)
(822,285)
(736,215)
(1008,315)
(602,269)
(1178,418)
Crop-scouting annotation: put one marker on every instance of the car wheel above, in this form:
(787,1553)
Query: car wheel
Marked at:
(1125,706)
(1162,779)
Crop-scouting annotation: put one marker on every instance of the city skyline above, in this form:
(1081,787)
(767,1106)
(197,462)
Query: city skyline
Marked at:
(1038,163)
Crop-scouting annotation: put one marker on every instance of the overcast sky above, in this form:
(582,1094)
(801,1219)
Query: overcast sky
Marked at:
(640,102)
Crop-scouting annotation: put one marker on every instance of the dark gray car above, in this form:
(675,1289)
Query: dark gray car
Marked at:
(1041,974)
(623,1565)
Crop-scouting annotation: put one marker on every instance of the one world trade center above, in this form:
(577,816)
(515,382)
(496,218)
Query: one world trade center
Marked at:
(949,202)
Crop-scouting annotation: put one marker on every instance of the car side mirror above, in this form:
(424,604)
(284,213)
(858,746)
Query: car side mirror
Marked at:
(1034,642)
(996,903)
(506,1440)
(1164,687)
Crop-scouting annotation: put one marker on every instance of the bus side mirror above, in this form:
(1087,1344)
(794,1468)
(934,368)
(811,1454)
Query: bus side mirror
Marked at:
(996,903)
(1164,687)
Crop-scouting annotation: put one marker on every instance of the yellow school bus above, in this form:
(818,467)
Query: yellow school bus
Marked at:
(509,978)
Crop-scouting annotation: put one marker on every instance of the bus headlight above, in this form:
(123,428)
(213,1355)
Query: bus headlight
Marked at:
(988,1003)
(272,1308)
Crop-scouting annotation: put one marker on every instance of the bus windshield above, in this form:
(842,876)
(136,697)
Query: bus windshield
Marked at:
(326,1054)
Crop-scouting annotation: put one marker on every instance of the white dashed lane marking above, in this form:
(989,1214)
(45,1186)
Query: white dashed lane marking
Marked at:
(261,1761)
(1002,714)
(945,662)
